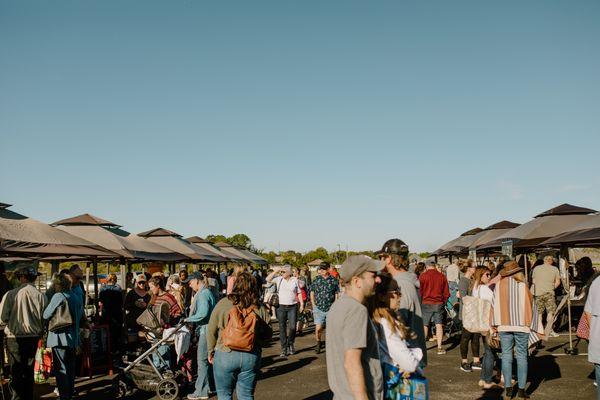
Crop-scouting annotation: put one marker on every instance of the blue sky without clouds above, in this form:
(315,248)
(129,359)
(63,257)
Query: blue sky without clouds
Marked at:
(300,123)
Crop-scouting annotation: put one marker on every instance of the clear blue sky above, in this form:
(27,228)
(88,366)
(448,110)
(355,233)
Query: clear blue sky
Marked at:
(300,123)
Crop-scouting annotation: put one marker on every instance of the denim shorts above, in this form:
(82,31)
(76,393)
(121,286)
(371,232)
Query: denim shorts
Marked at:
(320,317)
(433,312)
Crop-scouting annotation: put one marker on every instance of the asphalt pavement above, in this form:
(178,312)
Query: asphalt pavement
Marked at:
(552,375)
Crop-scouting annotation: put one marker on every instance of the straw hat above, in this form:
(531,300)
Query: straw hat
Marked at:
(510,268)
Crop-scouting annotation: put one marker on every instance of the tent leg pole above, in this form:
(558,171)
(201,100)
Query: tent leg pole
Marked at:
(95,271)
(565,254)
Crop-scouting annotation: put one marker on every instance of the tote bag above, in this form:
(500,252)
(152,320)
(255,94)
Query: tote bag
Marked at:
(62,317)
(476,314)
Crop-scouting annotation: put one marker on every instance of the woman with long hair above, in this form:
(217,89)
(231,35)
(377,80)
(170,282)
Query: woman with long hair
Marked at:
(393,333)
(464,287)
(237,269)
(235,369)
(480,289)
(136,301)
(64,341)
(514,317)
(159,296)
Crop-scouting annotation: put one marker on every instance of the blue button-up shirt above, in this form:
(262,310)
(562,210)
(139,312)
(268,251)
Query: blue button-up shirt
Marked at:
(69,336)
(203,304)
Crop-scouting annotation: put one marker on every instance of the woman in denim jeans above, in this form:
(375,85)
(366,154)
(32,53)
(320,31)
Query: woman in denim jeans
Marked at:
(237,369)
(65,341)
(514,317)
(481,278)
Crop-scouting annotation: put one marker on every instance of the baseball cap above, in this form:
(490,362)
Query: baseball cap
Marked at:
(140,278)
(431,263)
(196,275)
(324,265)
(357,264)
(26,268)
(393,246)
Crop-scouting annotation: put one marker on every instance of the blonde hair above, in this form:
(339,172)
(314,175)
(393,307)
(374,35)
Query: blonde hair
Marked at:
(112,278)
(549,260)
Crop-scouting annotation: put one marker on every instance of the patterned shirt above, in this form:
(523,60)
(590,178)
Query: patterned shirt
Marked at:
(325,290)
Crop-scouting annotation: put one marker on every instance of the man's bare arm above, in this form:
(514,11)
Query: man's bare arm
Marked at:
(355,374)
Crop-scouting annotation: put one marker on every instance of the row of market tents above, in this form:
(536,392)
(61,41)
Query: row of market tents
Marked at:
(86,237)
(564,226)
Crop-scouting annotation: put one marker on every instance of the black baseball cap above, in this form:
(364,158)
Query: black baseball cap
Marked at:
(324,265)
(393,246)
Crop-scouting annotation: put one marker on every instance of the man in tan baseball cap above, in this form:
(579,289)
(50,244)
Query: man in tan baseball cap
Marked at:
(353,366)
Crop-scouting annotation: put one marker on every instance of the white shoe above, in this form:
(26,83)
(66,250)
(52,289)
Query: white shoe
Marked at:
(553,334)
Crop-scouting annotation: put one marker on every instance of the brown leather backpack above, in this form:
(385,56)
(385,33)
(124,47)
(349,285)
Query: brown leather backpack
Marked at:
(240,331)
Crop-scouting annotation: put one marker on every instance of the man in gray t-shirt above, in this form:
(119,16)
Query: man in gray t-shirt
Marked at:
(353,366)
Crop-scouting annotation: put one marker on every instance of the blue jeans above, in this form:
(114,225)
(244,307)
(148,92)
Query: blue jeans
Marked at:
(287,316)
(165,352)
(236,369)
(204,370)
(518,341)
(487,363)
(63,364)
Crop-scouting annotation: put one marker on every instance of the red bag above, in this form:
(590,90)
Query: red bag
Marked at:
(583,328)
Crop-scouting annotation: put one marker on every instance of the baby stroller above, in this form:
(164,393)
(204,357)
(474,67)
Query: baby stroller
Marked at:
(142,373)
(453,324)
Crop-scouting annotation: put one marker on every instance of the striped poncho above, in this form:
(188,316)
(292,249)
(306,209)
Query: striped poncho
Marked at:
(513,310)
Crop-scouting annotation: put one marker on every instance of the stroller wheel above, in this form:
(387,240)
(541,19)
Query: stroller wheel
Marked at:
(121,389)
(167,389)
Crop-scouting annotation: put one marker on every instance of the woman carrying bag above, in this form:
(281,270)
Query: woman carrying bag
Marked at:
(398,360)
(64,314)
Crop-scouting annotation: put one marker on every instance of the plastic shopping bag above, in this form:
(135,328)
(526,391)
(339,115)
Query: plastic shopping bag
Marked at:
(397,387)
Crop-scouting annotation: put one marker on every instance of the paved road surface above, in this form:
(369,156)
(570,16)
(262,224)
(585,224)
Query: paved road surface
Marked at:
(553,375)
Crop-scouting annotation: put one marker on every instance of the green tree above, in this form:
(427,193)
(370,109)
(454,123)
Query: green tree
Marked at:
(240,240)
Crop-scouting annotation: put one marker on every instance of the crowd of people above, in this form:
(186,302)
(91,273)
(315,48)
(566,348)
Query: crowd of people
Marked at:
(378,327)
(373,317)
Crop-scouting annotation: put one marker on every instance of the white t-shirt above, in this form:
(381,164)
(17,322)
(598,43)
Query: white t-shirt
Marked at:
(483,292)
(287,289)
(394,350)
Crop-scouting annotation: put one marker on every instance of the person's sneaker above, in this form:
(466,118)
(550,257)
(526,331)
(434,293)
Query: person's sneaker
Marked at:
(508,393)
(553,334)
(283,354)
(521,394)
(318,348)
(291,350)
(466,367)
(441,351)
(476,365)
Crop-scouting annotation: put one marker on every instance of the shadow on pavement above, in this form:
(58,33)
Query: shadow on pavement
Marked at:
(543,368)
(285,368)
(326,395)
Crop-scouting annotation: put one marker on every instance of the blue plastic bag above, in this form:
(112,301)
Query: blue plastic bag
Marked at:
(397,387)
